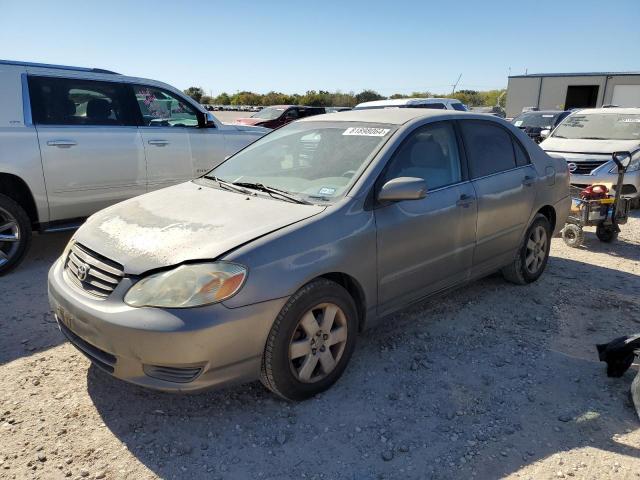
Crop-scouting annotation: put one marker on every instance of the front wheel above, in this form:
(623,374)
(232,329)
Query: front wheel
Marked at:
(310,342)
(533,254)
(15,234)
(573,235)
(606,233)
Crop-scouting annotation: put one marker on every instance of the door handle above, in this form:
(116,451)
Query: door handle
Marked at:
(61,143)
(159,143)
(465,201)
(528,181)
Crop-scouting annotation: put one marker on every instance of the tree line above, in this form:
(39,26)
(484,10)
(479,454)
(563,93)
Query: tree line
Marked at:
(323,98)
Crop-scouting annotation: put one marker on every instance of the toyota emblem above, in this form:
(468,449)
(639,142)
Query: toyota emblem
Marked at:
(83,271)
(572,167)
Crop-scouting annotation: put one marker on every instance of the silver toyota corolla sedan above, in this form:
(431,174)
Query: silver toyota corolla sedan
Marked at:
(270,265)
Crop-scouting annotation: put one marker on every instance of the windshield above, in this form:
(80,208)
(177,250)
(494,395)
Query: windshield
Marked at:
(535,119)
(600,126)
(269,113)
(314,160)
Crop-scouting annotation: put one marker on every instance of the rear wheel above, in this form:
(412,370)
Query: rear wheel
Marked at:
(606,233)
(15,234)
(533,254)
(311,341)
(573,235)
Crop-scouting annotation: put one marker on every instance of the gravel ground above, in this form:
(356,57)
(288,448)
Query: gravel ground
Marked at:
(491,380)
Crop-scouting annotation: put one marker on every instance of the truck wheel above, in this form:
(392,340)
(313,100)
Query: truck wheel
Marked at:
(15,234)
(310,342)
(532,255)
(573,235)
(606,233)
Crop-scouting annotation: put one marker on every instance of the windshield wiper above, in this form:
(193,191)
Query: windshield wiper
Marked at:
(228,185)
(272,191)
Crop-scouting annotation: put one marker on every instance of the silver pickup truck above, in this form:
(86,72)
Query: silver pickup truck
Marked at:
(75,140)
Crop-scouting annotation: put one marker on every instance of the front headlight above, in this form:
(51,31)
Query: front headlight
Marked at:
(634,165)
(188,285)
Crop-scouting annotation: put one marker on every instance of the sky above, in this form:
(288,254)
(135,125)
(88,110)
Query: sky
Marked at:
(396,46)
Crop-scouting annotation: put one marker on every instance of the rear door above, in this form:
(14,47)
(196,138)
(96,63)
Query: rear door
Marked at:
(426,245)
(91,150)
(504,183)
(166,121)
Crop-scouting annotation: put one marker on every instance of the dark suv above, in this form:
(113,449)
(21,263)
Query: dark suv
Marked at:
(279,115)
(533,122)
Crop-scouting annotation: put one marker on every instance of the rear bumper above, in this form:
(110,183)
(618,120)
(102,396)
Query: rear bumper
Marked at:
(562,209)
(165,349)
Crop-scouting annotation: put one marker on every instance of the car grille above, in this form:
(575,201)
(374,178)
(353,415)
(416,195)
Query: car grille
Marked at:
(172,374)
(91,272)
(100,358)
(586,167)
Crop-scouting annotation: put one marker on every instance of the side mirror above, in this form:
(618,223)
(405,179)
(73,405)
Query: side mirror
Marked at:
(403,188)
(545,133)
(622,159)
(206,120)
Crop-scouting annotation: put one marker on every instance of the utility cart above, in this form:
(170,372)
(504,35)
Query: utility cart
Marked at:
(594,206)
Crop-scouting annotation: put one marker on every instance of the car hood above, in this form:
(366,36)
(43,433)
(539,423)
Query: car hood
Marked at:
(249,121)
(571,145)
(251,129)
(190,221)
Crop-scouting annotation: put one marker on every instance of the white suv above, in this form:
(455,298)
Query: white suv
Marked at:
(75,140)
(433,103)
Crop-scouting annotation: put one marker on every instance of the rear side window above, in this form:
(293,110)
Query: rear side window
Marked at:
(70,101)
(433,106)
(522,158)
(489,148)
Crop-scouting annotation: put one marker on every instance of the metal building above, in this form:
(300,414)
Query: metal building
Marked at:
(558,91)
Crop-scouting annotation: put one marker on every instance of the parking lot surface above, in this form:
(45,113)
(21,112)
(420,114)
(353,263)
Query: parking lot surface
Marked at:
(491,380)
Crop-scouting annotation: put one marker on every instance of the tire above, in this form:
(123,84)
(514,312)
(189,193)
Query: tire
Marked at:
(16,226)
(523,270)
(287,376)
(606,233)
(573,235)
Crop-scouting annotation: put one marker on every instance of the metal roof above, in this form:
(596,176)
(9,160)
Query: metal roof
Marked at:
(57,67)
(576,74)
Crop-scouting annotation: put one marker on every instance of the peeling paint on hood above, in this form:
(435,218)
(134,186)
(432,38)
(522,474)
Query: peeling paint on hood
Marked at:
(184,222)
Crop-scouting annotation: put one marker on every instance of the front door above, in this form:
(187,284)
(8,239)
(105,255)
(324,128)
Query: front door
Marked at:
(504,182)
(166,123)
(91,150)
(425,245)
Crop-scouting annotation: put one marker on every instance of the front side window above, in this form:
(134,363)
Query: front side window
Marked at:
(160,108)
(489,148)
(315,160)
(600,126)
(430,153)
(458,106)
(69,101)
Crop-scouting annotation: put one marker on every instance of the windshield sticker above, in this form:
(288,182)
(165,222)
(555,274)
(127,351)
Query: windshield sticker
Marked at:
(366,131)
(629,120)
(326,191)
(518,123)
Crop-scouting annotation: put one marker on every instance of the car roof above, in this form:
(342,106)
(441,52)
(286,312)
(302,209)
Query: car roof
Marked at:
(542,112)
(393,116)
(624,110)
(406,101)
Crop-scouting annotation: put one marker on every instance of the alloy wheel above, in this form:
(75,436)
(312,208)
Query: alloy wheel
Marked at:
(536,249)
(318,342)
(9,236)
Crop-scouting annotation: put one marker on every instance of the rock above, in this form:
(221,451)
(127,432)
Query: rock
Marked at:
(101,474)
(281,438)
(387,455)
(84,473)
(42,457)
(564,418)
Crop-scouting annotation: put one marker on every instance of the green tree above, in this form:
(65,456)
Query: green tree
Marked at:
(222,99)
(195,92)
(368,96)
(206,100)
